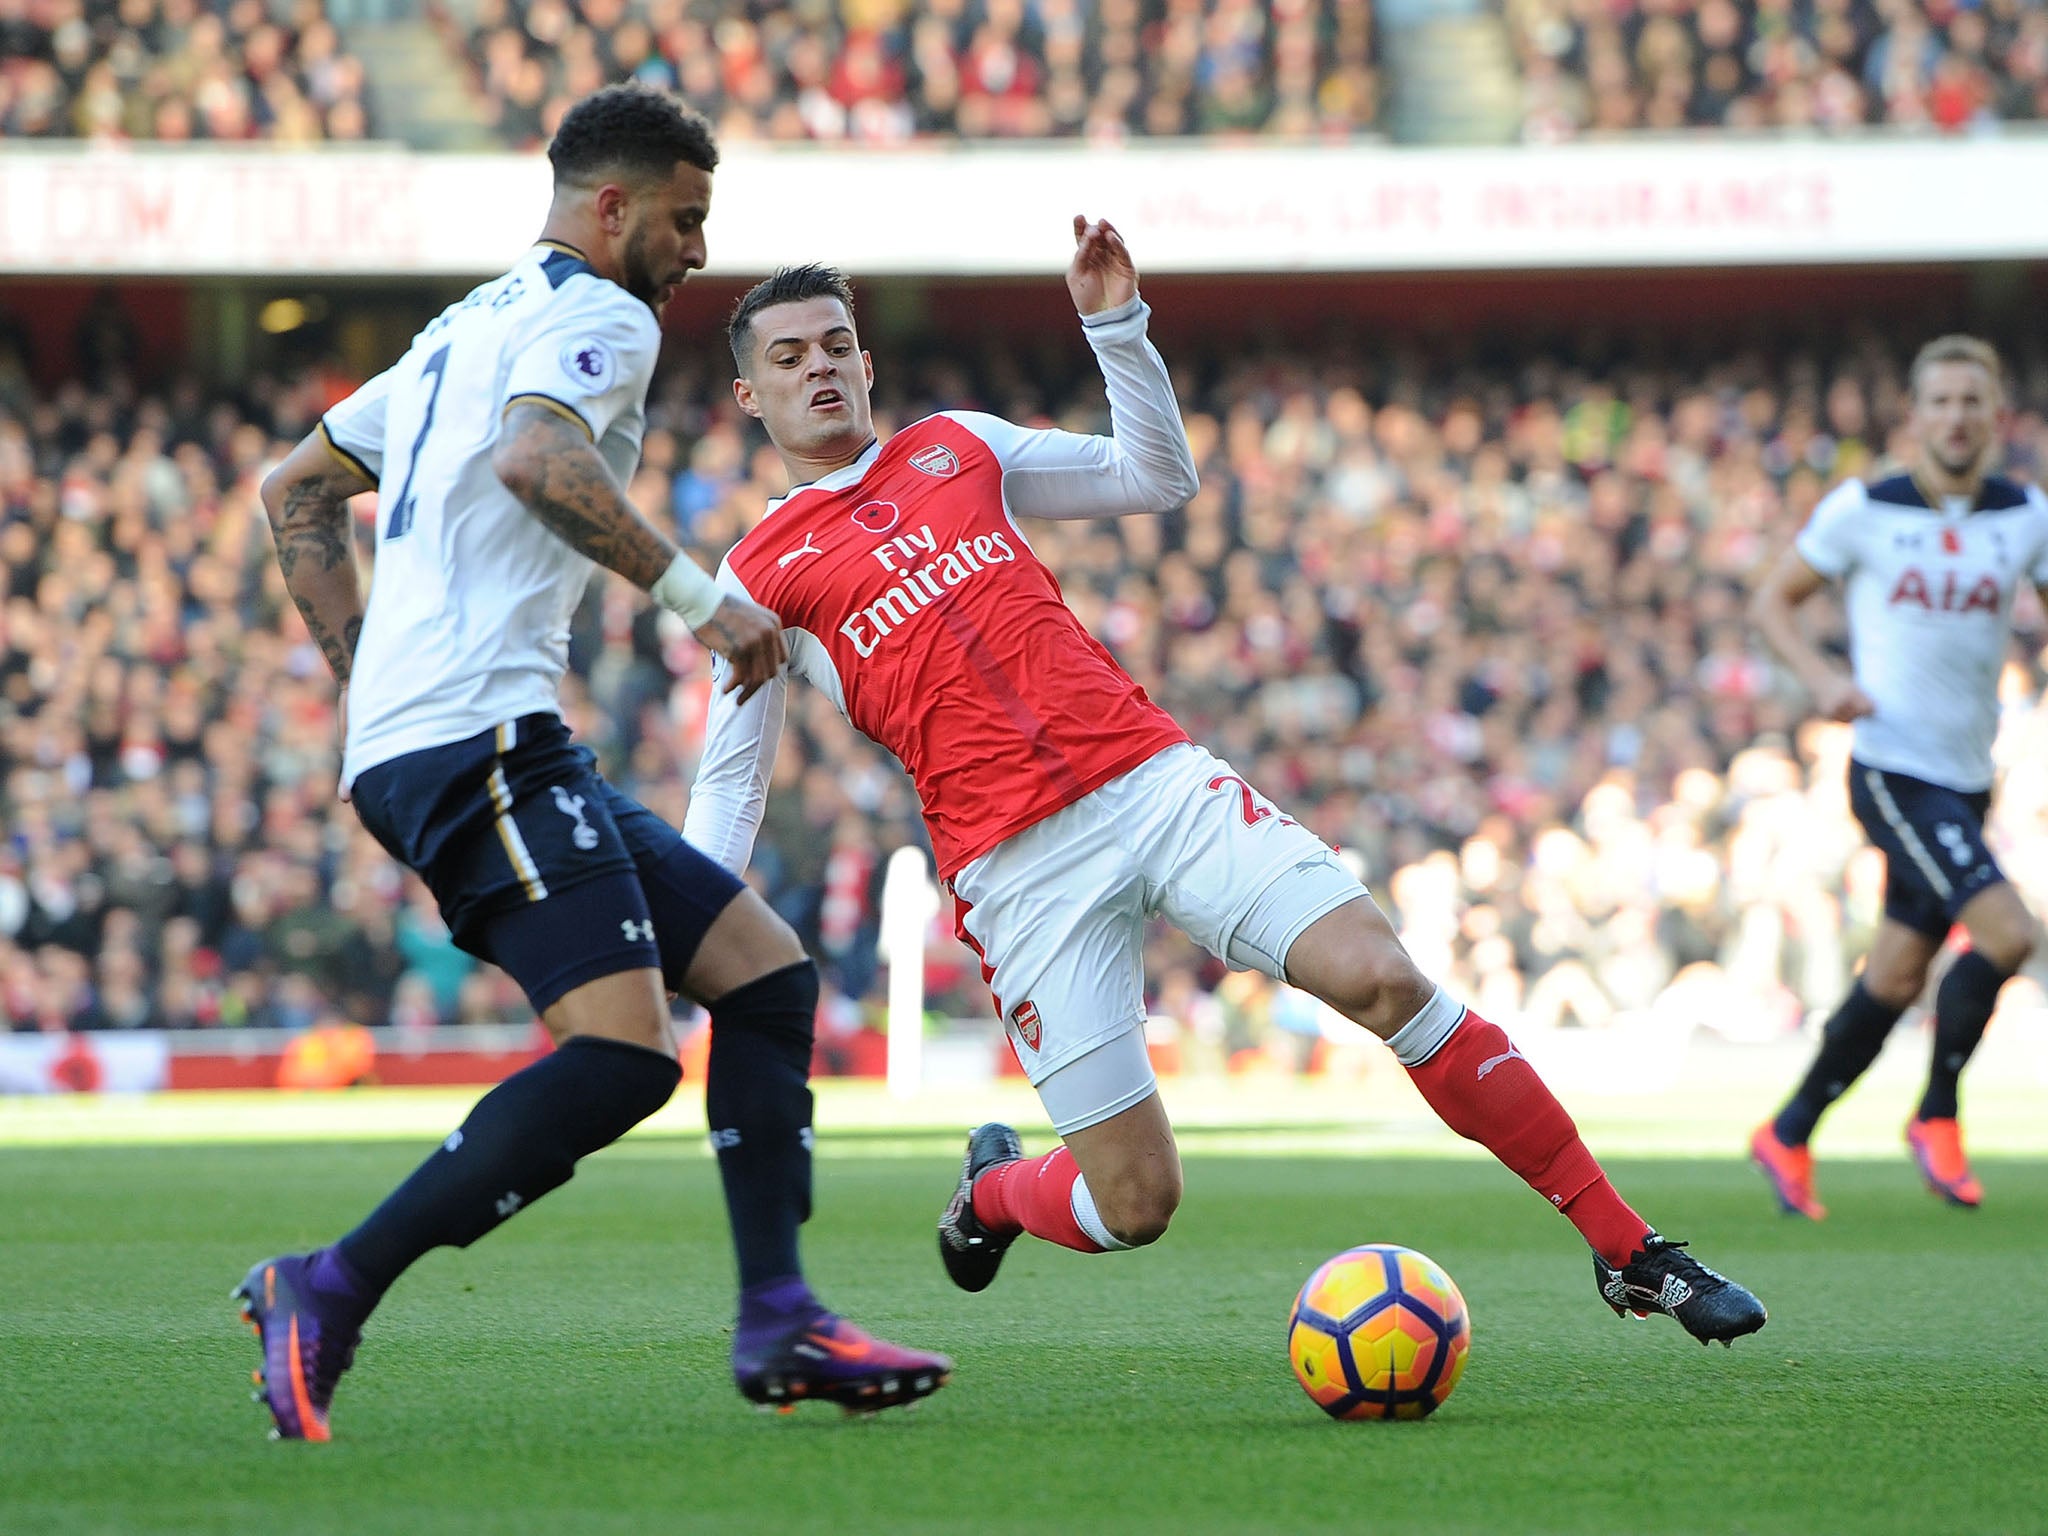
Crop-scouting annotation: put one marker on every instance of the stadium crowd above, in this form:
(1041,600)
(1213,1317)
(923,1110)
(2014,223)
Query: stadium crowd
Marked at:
(1482,626)
(177,70)
(1828,65)
(886,71)
(883,71)
(889,70)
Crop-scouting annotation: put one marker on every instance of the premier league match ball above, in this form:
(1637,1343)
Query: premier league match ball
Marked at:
(1379,1332)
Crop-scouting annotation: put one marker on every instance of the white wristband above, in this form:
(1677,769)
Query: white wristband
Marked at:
(687,592)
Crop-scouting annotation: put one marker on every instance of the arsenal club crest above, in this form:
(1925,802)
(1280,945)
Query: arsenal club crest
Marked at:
(1025,1017)
(935,460)
(876,516)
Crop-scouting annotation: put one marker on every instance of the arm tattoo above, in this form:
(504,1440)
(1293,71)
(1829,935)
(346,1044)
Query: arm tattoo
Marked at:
(314,522)
(569,489)
(315,553)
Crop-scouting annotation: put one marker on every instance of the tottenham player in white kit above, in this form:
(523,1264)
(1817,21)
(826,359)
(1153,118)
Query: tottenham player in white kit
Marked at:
(498,446)
(1929,563)
(1063,805)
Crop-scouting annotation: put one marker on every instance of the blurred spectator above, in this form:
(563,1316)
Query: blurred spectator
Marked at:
(177,70)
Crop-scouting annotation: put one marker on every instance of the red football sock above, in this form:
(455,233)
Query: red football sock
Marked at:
(1035,1195)
(1487,1092)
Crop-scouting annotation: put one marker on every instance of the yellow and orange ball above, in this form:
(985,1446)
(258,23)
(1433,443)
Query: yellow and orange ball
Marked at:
(1379,1332)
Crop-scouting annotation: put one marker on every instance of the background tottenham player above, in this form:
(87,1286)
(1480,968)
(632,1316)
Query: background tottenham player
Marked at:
(1063,805)
(1930,564)
(498,445)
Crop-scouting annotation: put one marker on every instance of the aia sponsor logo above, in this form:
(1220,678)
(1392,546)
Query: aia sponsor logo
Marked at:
(1947,594)
(935,460)
(876,516)
(1024,1019)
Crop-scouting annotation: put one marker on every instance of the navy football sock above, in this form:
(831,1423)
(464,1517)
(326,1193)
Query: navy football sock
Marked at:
(758,1100)
(1962,1007)
(521,1140)
(1848,1045)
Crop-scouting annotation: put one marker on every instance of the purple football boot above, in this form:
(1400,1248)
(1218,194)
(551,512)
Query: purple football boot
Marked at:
(825,1358)
(307,1344)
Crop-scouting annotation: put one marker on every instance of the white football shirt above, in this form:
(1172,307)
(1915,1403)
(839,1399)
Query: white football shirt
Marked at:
(1929,593)
(467,624)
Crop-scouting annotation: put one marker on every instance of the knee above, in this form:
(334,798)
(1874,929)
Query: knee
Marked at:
(1894,986)
(2012,948)
(1139,1211)
(1375,978)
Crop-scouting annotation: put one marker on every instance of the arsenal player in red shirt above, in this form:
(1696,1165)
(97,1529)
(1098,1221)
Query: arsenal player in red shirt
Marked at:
(1066,807)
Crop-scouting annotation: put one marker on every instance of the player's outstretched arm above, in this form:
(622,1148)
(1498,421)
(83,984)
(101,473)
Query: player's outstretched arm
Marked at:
(1775,611)
(1144,465)
(550,464)
(306,498)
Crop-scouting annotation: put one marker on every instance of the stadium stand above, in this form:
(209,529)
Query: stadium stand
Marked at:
(1834,65)
(887,71)
(881,71)
(1480,624)
(884,72)
(177,70)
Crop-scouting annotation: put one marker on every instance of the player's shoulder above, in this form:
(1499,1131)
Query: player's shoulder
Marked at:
(568,288)
(2001,493)
(976,422)
(1846,499)
(1900,490)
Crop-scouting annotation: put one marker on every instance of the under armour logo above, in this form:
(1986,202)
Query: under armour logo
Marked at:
(1486,1066)
(641,932)
(805,548)
(509,1202)
(453,1143)
(585,835)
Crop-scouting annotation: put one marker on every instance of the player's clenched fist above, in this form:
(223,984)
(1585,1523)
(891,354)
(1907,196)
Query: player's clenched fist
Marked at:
(1101,275)
(748,636)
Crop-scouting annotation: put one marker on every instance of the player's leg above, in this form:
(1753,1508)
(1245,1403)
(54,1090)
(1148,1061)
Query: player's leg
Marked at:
(1112,1184)
(531,874)
(1264,893)
(1466,1067)
(1469,1071)
(1057,917)
(1894,975)
(615,1066)
(2003,935)
(722,946)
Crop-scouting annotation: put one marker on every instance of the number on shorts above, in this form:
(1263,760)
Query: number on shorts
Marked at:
(1248,803)
(402,514)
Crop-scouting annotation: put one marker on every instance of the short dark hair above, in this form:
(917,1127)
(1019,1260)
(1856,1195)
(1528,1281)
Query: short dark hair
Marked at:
(788,285)
(632,128)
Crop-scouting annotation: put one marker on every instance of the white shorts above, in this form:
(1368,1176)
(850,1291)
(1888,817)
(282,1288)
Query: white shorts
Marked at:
(1057,913)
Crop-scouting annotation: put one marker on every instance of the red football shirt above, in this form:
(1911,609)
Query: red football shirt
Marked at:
(910,596)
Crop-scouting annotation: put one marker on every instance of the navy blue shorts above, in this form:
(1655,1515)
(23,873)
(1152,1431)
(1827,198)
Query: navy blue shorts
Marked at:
(539,865)
(1933,843)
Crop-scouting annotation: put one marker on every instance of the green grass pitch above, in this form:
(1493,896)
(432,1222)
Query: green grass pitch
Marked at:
(568,1374)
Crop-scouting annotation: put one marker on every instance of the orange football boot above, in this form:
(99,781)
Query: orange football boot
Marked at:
(1790,1170)
(1937,1146)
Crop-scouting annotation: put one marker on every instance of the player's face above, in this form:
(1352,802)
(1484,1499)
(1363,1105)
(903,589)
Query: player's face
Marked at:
(810,380)
(1955,414)
(662,238)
